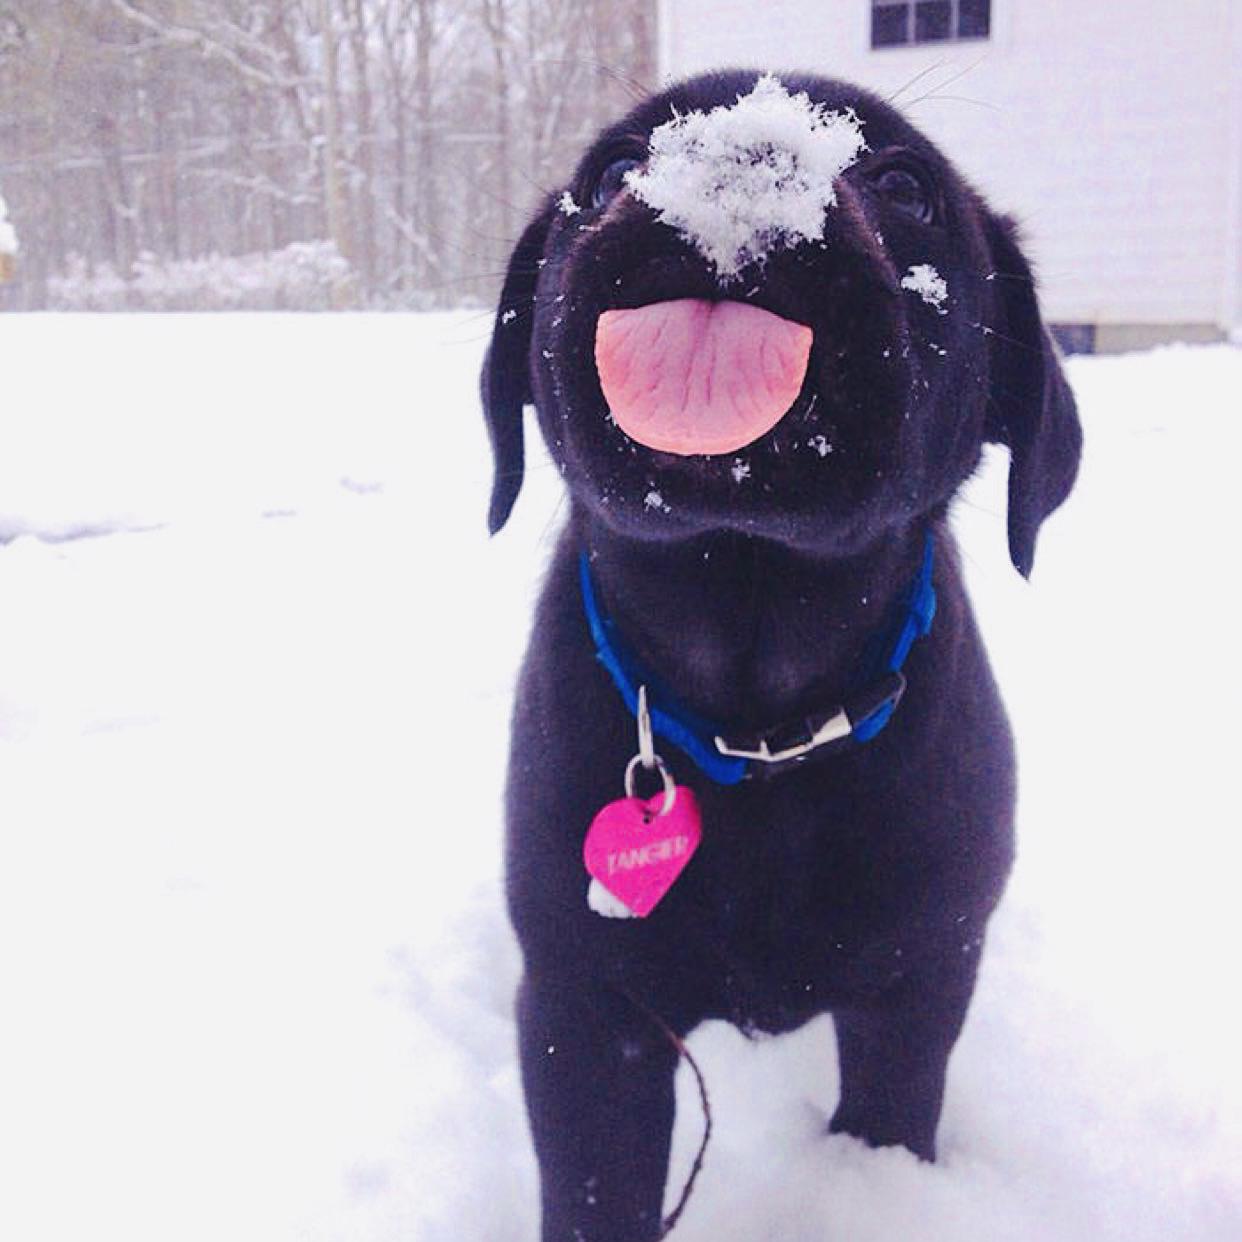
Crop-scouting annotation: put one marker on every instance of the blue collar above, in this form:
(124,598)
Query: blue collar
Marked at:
(728,762)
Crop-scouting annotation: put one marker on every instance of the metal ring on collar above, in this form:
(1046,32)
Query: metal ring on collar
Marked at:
(670,790)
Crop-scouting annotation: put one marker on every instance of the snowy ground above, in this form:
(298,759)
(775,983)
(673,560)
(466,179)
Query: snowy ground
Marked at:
(254,970)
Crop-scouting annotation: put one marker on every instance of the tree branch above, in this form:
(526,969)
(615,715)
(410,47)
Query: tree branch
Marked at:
(206,45)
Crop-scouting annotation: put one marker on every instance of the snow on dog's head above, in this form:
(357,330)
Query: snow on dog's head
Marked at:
(745,179)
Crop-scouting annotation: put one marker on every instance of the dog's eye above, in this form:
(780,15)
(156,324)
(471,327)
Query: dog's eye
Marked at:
(611,182)
(908,192)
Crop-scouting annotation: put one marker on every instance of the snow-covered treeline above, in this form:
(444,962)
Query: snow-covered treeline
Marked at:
(303,276)
(412,135)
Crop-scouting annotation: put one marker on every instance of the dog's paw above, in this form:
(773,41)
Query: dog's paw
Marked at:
(605,904)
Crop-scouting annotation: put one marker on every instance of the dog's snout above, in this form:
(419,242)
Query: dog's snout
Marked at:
(743,181)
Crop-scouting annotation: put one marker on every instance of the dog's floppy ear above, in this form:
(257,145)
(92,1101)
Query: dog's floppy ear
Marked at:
(505,382)
(1032,408)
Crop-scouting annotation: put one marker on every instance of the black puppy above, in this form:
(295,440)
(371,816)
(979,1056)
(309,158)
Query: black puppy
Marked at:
(774,595)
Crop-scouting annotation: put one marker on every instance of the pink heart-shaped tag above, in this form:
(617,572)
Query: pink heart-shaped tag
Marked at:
(636,853)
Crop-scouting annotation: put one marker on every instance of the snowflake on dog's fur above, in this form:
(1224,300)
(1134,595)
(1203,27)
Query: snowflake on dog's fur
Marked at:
(928,283)
(745,179)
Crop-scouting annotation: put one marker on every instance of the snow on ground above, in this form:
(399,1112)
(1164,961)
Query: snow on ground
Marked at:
(256,976)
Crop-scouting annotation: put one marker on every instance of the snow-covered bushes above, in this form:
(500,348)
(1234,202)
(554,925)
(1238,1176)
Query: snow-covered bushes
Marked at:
(305,276)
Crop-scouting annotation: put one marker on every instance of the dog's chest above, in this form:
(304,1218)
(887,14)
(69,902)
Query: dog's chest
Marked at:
(783,909)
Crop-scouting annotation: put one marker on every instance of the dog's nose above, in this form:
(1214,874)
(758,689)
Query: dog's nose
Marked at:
(744,180)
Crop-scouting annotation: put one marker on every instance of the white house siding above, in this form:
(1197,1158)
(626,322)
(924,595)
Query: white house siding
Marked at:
(1112,131)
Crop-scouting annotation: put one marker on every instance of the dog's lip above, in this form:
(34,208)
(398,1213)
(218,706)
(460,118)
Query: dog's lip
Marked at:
(787,305)
(698,377)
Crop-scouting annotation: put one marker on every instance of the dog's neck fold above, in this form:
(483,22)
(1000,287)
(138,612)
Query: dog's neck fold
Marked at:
(743,629)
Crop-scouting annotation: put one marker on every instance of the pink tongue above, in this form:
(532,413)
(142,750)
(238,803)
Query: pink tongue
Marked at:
(693,377)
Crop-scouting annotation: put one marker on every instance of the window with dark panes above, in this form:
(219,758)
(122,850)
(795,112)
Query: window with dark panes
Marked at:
(896,23)
(889,23)
(932,20)
(974,19)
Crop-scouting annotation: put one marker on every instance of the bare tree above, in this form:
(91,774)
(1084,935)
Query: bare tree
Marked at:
(414,134)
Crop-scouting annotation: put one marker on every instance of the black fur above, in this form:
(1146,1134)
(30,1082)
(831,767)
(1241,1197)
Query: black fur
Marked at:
(858,884)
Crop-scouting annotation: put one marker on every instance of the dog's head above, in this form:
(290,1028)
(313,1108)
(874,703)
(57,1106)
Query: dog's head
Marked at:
(773,306)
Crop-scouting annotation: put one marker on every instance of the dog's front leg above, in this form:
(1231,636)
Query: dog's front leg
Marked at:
(893,1057)
(598,1075)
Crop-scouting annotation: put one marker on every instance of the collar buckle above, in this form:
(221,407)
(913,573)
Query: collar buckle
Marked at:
(798,739)
(836,726)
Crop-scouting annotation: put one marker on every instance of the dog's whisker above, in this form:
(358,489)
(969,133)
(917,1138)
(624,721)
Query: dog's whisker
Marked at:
(518,209)
(966,503)
(937,98)
(552,524)
(453,281)
(523,310)
(918,77)
(969,558)
(473,339)
(988,330)
(504,240)
(937,91)
(517,314)
(486,313)
(442,238)
(487,316)
(1025,280)
(545,191)
(635,89)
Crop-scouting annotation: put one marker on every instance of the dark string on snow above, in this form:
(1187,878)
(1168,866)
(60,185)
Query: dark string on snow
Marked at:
(670,1221)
